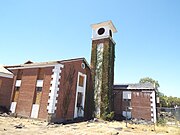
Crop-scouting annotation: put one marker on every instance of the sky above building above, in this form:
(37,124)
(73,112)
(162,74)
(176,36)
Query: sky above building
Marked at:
(147,41)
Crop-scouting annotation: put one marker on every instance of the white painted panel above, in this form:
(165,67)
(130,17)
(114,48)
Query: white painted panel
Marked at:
(83,91)
(153,105)
(95,34)
(18,83)
(39,83)
(128,114)
(126,94)
(13,107)
(35,110)
(54,88)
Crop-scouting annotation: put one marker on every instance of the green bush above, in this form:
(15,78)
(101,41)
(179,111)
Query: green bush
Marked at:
(108,116)
(162,122)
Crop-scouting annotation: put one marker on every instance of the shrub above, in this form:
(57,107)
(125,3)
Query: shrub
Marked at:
(162,122)
(108,116)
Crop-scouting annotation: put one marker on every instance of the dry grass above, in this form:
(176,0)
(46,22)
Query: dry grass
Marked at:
(33,127)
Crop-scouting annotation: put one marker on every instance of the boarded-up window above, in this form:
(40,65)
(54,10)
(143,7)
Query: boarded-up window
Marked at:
(0,83)
(41,74)
(127,102)
(81,80)
(126,94)
(38,94)
(19,75)
(16,94)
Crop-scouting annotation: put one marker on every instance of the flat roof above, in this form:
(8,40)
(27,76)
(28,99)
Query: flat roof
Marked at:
(135,86)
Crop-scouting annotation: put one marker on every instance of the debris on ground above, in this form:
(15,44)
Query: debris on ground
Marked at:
(19,126)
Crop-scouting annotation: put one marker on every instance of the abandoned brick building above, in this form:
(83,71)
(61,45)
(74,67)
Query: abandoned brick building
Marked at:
(54,91)
(135,101)
(67,89)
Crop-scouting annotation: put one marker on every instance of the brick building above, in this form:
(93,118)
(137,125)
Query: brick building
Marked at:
(135,100)
(6,79)
(54,91)
(61,90)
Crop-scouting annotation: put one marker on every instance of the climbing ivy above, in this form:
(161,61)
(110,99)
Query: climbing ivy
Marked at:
(107,76)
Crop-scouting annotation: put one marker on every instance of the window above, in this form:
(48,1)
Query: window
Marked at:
(101,31)
(79,99)
(37,95)
(126,94)
(17,88)
(127,102)
(83,66)
(16,93)
(81,80)
(38,89)
(110,33)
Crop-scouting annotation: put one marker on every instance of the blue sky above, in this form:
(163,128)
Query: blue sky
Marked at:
(147,42)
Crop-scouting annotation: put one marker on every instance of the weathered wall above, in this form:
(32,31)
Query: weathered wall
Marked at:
(140,103)
(26,92)
(43,114)
(67,92)
(5,91)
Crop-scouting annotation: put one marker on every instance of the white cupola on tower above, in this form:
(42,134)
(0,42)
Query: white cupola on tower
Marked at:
(103,30)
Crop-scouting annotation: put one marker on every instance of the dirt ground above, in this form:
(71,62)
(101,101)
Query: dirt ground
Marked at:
(17,126)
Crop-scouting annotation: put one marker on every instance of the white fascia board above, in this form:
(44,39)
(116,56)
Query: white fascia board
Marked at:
(147,91)
(6,75)
(37,66)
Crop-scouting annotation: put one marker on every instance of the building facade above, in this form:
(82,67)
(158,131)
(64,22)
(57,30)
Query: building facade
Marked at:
(54,91)
(6,79)
(136,101)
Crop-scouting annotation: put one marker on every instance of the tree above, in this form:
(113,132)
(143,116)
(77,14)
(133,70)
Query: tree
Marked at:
(165,101)
(150,80)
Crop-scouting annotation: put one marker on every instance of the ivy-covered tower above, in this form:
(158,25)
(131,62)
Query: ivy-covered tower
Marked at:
(102,65)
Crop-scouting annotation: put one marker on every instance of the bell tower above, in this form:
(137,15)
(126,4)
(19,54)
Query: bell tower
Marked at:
(102,65)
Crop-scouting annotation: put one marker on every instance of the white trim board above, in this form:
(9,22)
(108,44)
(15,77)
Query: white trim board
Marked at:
(83,91)
(6,75)
(54,88)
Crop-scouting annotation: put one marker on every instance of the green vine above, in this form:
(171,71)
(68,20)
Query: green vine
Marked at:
(107,76)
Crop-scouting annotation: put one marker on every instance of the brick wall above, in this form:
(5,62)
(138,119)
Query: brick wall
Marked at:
(117,101)
(5,91)
(29,78)
(141,105)
(26,92)
(43,113)
(66,86)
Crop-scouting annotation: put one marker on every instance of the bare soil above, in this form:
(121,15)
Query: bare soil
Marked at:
(21,126)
